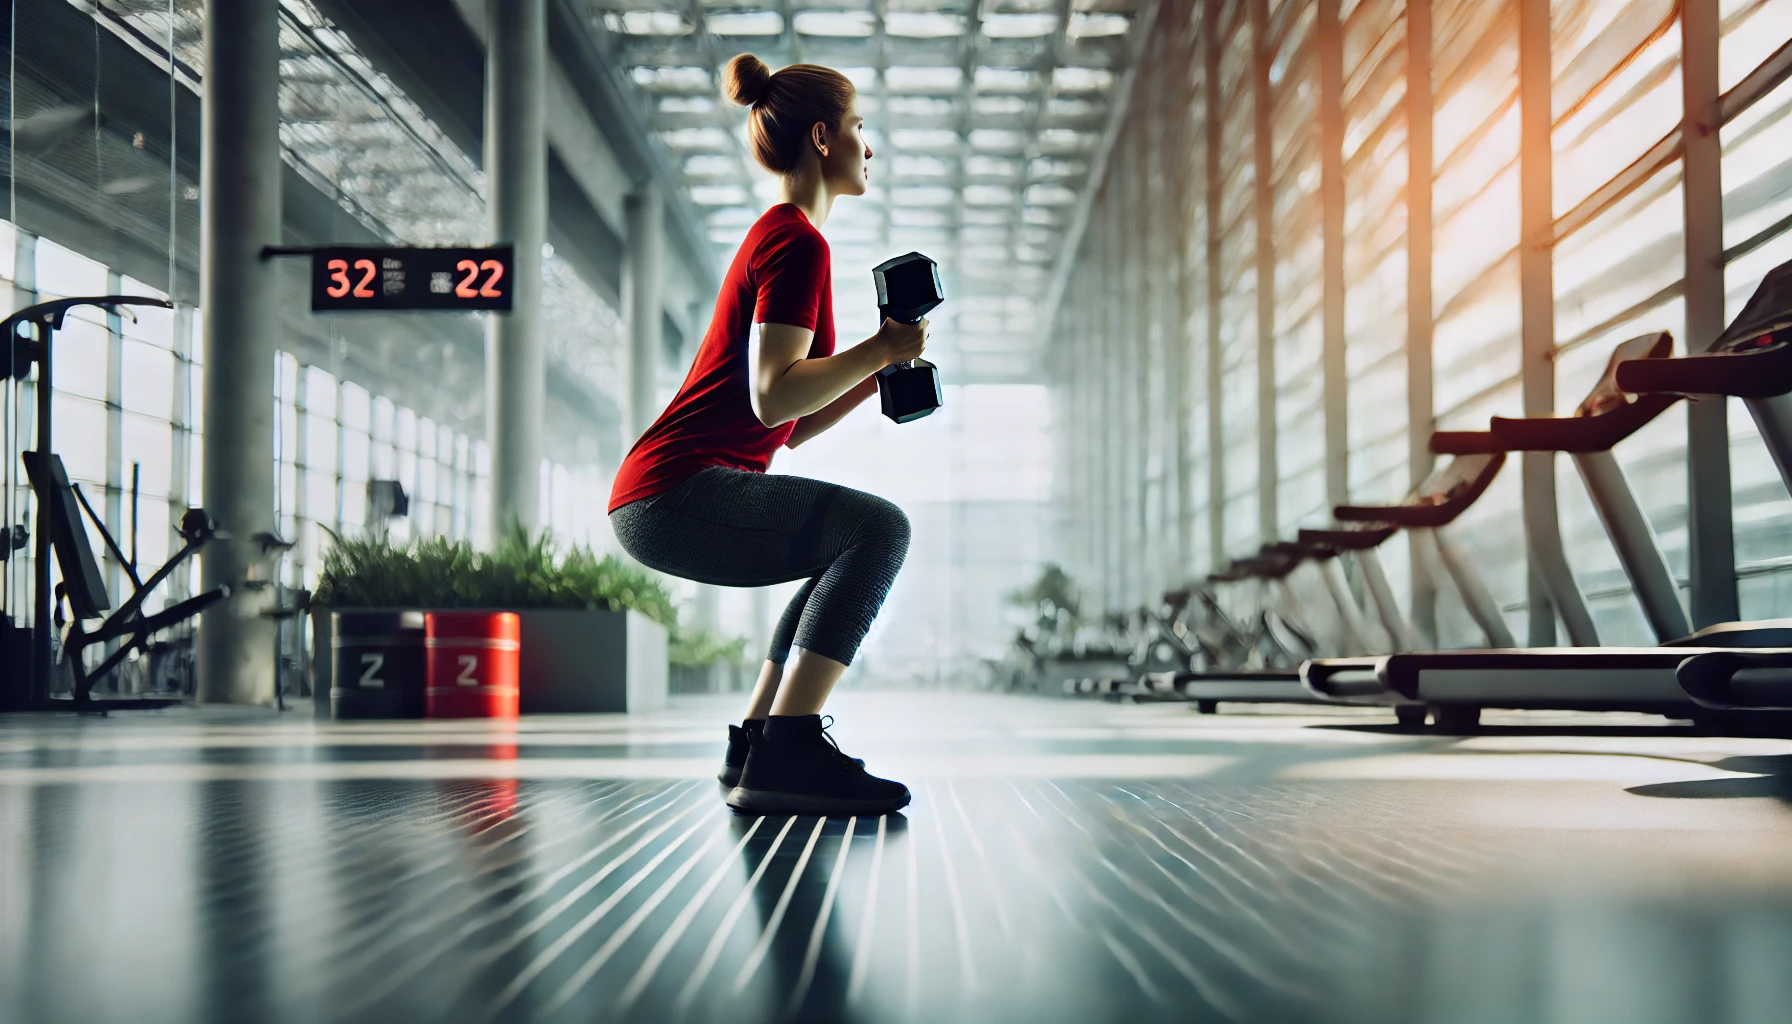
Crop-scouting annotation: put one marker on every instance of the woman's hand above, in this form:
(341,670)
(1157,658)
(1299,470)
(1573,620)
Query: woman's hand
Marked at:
(900,342)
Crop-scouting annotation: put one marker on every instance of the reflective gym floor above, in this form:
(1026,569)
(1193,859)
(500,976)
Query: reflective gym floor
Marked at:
(1062,861)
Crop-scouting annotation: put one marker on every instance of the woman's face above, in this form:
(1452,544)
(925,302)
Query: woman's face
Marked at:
(844,164)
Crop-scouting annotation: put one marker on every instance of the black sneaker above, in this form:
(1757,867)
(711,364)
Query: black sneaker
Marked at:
(797,769)
(739,736)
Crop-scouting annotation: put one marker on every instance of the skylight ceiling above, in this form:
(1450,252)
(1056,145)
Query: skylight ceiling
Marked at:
(984,119)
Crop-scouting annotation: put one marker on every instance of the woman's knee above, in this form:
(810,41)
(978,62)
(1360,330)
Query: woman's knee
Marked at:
(866,521)
(886,520)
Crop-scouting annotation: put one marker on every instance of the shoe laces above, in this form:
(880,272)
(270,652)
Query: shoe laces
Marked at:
(827,722)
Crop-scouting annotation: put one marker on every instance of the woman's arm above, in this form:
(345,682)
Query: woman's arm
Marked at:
(832,413)
(787,385)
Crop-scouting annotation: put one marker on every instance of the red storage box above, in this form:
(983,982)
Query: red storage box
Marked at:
(472,664)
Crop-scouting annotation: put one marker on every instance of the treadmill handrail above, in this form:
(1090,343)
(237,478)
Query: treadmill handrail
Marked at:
(1345,539)
(1301,550)
(1238,569)
(1752,358)
(1464,442)
(1431,509)
(1762,373)
(1278,559)
(1576,434)
(1607,415)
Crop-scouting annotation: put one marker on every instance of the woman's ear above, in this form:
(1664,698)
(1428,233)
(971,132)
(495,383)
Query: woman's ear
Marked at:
(818,136)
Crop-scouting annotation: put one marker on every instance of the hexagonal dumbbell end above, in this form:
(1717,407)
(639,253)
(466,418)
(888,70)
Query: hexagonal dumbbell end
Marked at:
(908,287)
(909,391)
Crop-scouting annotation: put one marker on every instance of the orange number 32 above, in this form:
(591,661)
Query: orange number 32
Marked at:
(340,285)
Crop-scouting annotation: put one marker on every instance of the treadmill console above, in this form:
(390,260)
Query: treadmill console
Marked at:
(1455,479)
(1766,322)
(1607,395)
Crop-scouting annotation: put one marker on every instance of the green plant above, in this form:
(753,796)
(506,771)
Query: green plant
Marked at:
(522,571)
(1054,589)
(692,646)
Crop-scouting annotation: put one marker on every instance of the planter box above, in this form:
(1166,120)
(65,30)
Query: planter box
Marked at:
(584,661)
(573,661)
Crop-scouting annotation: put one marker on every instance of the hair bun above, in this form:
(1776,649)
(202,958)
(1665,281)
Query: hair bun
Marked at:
(745,79)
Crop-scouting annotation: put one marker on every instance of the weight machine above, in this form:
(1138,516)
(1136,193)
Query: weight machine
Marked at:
(29,339)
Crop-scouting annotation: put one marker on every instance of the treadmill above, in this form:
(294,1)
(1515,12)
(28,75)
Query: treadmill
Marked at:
(1361,542)
(1424,513)
(1751,360)
(1353,629)
(1276,677)
(1642,380)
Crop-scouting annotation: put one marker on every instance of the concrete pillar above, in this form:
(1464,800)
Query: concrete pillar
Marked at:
(239,301)
(1710,532)
(1537,286)
(516,169)
(1332,200)
(1268,465)
(643,283)
(1421,417)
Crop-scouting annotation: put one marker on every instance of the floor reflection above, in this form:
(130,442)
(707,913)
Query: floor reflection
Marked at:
(800,962)
(1573,875)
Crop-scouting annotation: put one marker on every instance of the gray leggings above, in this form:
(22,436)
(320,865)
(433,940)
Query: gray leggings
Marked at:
(738,529)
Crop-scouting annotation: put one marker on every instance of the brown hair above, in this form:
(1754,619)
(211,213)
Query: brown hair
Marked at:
(785,105)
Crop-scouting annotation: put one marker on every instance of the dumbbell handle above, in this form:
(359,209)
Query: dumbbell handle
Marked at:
(882,311)
(906,365)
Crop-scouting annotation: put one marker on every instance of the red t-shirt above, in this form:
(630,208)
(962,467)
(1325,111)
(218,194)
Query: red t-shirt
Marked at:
(782,274)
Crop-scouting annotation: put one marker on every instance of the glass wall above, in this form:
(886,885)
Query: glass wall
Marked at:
(102,165)
(1616,255)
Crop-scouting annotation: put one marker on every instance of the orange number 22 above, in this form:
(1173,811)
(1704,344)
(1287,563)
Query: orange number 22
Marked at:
(467,289)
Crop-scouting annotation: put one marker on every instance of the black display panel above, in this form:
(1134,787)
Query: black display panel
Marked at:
(386,278)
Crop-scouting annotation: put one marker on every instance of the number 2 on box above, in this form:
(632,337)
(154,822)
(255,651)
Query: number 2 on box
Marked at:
(468,663)
(370,679)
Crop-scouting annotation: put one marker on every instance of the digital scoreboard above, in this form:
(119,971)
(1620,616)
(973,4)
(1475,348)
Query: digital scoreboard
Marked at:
(387,278)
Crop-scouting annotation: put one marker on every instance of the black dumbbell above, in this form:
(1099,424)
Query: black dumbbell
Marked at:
(908,287)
